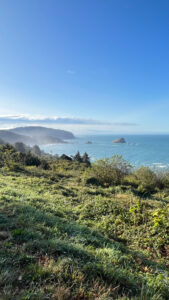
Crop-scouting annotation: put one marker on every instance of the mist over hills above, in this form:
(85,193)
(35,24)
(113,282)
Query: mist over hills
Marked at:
(32,135)
(36,131)
(11,138)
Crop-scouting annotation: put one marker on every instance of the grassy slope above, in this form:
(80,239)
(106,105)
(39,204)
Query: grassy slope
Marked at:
(60,239)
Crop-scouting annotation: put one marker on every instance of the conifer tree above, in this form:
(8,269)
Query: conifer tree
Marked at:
(86,159)
(36,150)
(77,157)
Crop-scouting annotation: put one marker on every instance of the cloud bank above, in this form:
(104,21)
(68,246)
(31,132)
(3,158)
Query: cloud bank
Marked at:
(58,120)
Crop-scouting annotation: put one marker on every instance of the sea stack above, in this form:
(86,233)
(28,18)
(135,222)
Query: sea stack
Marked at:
(119,141)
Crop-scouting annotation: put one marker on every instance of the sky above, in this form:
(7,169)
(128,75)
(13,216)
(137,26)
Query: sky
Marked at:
(90,66)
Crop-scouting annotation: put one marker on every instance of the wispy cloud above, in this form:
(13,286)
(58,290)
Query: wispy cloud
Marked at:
(124,124)
(71,72)
(77,125)
(59,120)
(47,119)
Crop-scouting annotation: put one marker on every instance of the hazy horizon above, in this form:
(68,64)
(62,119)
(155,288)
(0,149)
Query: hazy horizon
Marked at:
(76,126)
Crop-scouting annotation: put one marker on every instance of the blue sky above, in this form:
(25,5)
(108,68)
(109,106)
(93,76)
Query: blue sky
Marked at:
(104,64)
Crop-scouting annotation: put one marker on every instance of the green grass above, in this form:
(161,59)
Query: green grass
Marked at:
(63,239)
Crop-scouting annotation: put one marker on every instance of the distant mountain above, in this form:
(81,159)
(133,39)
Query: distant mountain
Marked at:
(35,135)
(47,139)
(43,132)
(11,137)
(1,142)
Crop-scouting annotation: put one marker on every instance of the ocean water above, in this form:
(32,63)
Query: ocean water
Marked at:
(149,150)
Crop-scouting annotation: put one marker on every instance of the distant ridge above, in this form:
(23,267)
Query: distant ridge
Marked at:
(32,135)
(36,131)
(11,137)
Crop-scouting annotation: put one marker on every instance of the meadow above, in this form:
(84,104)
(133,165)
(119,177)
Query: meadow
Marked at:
(71,230)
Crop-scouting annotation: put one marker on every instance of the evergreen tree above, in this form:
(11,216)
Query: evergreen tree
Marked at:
(20,147)
(77,157)
(86,159)
(36,150)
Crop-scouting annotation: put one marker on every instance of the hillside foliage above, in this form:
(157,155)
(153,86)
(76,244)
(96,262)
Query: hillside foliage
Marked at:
(72,229)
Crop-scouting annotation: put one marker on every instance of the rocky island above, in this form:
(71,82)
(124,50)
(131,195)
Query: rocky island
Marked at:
(119,141)
(89,142)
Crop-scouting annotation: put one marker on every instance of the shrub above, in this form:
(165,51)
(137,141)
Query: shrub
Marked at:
(13,166)
(161,179)
(31,160)
(91,180)
(166,180)
(110,170)
(8,154)
(130,180)
(65,157)
(44,164)
(147,180)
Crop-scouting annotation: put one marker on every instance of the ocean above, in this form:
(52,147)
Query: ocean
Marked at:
(139,150)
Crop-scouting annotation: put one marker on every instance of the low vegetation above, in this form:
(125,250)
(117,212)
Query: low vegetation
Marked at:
(70,229)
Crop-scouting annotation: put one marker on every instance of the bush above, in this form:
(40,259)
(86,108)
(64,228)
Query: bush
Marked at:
(166,180)
(8,154)
(91,180)
(65,157)
(13,166)
(44,165)
(130,180)
(147,180)
(31,160)
(110,171)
